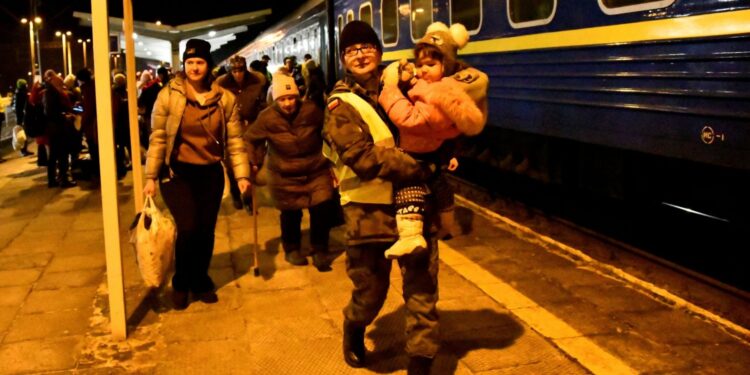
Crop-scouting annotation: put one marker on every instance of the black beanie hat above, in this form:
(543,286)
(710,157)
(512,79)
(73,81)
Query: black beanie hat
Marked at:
(358,32)
(198,48)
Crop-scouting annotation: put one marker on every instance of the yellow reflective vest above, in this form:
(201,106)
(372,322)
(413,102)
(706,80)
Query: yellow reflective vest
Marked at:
(351,187)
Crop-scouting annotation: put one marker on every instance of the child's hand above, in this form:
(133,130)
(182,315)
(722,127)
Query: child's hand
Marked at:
(407,73)
(390,75)
(453,164)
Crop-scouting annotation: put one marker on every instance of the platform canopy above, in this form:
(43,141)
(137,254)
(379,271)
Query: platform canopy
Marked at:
(165,43)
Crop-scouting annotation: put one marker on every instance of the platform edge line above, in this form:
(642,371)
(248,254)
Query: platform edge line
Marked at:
(598,361)
(728,326)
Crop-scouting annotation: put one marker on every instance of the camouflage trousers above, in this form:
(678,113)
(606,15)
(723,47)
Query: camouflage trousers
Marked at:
(370,272)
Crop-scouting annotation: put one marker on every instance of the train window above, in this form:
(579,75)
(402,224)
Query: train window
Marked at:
(349,16)
(389,22)
(467,13)
(627,6)
(526,13)
(421,17)
(365,13)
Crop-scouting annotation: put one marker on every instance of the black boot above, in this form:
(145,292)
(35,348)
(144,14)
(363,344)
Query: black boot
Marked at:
(354,345)
(419,366)
(180,299)
(322,258)
(293,255)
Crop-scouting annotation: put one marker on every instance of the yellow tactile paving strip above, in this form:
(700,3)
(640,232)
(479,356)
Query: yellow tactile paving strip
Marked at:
(573,343)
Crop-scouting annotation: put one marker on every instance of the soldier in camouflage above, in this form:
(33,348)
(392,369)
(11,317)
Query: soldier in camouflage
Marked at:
(360,142)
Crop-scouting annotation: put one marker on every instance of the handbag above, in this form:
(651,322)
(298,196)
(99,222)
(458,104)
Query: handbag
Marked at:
(153,236)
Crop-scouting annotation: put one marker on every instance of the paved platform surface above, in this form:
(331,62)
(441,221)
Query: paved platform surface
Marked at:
(507,305)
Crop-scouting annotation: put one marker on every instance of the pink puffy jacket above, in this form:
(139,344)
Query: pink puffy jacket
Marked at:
(433,113)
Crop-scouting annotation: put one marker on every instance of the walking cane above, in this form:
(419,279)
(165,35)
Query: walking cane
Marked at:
(256,267)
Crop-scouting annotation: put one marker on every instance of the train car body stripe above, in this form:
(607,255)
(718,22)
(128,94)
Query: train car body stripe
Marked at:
(705,25)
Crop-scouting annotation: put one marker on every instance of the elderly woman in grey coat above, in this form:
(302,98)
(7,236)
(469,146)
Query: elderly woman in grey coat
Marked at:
(298,175)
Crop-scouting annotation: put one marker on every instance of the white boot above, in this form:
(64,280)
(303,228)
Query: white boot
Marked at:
(410,236)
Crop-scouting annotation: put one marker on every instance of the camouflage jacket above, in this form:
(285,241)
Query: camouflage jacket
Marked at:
(348,135)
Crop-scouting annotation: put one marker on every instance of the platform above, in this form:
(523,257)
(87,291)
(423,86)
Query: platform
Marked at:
(508,304)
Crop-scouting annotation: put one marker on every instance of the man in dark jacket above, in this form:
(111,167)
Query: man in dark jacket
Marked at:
(248,88)
(362,147)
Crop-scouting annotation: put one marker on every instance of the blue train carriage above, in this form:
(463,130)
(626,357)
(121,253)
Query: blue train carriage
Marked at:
(629,98)
(302,32)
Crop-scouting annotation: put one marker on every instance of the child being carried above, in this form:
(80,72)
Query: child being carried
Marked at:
(437,108)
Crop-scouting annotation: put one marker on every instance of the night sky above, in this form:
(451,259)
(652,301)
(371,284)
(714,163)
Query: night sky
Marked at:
(58,15)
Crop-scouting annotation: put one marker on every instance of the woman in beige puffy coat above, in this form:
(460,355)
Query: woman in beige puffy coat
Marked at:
(194,122)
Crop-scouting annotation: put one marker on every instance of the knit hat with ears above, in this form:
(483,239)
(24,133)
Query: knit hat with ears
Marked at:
(447,40)
(283,85)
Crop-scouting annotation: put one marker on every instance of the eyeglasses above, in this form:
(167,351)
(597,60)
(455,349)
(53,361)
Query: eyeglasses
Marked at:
(366,49)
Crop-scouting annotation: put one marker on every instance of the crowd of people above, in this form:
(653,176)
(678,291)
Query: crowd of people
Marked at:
(59,115)
(370,153)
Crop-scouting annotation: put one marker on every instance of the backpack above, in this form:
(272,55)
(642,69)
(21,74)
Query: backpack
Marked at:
(35,121)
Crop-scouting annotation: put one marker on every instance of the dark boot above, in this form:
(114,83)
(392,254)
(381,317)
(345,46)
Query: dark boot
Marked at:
(295,258)
(41,158)
(322,258)
(180,299)
(293,255)
(419,366)
(207,297)
(67,182)
(354,345)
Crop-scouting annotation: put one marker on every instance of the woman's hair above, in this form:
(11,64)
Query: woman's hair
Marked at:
(422,51)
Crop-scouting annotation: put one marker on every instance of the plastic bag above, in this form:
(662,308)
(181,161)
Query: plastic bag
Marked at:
(19,137)
(153,235)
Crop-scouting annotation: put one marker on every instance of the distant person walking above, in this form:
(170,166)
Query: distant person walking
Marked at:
(20,99)
(248,88)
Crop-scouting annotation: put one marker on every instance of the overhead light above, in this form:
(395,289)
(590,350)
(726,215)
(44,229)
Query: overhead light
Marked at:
(135,36)
(148,53)
(212,33)
(68,33)
(37,19)
(140,43)
(158,23)
(24,21)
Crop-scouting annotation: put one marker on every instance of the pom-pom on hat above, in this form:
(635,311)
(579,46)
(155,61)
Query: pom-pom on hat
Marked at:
(358,32)
(447,40)
(198,48)
(283,85)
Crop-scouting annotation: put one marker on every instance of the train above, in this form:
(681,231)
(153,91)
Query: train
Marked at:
(645,100)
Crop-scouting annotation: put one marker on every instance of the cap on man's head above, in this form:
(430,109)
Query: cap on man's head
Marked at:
(237,62)
(198,48)
(358,32)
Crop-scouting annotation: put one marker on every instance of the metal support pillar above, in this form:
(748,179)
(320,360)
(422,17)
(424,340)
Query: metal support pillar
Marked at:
(135,140)
(115,285)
